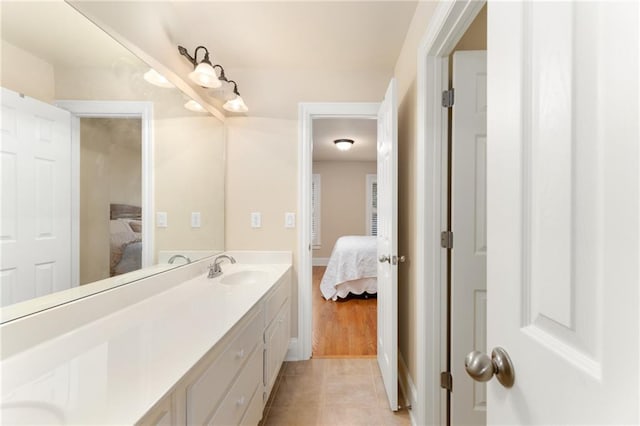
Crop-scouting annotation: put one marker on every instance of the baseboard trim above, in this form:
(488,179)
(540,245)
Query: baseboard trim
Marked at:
(320,261)
(408,389)
(293,353)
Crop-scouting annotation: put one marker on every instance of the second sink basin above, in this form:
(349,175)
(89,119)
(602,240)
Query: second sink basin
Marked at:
(244,277)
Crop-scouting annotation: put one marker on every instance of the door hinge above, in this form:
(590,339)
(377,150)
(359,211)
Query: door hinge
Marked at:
(446,239)
(446,381)
(447,98)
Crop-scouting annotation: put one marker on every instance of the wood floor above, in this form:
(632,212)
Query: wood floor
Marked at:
(345,328)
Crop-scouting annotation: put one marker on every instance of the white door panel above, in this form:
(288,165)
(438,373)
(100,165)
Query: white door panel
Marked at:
(35,230)
(469,254)
(387,240)
(563,211)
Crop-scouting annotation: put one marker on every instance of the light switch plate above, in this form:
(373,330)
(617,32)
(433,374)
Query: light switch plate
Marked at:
(289,220)
(195,219)
(161,219)
(256,220)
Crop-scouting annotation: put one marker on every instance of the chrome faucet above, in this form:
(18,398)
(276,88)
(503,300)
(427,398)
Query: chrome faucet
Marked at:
(214,268)
(179,256)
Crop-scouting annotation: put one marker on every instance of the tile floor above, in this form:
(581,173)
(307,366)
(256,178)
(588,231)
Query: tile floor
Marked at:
(336,392)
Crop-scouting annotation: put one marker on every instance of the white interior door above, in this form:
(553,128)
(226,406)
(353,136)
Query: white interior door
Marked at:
(563,181)
(388,243)
(35,222)
(468,224)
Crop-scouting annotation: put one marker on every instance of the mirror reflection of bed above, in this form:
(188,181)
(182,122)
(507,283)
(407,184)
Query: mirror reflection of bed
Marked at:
(343,239)
(125,239)
(110,197)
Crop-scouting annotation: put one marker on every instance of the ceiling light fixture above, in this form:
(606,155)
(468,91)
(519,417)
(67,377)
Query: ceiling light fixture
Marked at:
(154,77)
(343,144)
(205,75)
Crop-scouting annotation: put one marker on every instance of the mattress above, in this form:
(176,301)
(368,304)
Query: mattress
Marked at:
(352,268)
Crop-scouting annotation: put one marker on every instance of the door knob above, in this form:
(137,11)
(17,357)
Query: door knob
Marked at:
(384,258)
(482,368)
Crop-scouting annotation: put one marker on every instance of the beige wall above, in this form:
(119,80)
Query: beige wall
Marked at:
(262,176)
(25,73)
(405,72)
(343,200)
(408,303)
(189,177)
(110,156)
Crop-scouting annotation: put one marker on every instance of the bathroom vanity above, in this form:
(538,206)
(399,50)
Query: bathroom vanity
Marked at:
(200,351)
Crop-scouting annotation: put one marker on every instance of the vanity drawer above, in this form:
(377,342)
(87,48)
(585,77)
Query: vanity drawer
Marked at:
(242,393)
(275,300)
(254,412)
(206,392)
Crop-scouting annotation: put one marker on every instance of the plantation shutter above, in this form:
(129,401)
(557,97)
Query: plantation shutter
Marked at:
(315,209)
(372,205)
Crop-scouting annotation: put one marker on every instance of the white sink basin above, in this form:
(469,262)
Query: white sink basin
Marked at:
(244,277)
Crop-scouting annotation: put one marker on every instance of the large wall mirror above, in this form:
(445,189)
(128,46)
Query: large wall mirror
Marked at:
(106,178)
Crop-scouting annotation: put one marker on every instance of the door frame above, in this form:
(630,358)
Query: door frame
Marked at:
(300,349)
(111,109)
(447,26)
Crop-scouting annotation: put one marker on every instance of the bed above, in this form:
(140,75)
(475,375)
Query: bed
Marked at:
(352,268)
(125,238)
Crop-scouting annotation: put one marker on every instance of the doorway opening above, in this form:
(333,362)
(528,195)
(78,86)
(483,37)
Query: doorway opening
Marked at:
(344,229)
(134,218)
(110,197)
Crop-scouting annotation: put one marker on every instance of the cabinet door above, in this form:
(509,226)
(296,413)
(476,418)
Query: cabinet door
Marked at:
(276,346)
(160,415)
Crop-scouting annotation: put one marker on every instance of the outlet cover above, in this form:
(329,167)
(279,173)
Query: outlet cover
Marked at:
(289,220)
(195,219)
(256,220)
(161,219)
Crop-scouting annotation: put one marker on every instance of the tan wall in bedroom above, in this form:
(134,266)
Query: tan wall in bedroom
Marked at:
(408,304)
(25,73)
(343,200)
(262,176)
(110,158)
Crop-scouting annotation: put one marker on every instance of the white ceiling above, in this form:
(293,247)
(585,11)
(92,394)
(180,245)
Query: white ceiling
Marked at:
(363,132)
(280,52)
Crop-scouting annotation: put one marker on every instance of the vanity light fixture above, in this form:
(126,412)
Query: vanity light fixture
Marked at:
(343,144)
(205,75)
(154,77)
(236,104)
(203,72)
(194,106)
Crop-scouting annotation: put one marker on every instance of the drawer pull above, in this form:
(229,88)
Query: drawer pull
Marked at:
(240,354)
(241,401)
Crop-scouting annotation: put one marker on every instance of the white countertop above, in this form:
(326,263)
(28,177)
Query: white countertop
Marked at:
(114,369)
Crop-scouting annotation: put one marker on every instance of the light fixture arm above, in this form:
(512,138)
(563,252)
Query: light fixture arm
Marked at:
(235,87)
(194,59)
(222,76)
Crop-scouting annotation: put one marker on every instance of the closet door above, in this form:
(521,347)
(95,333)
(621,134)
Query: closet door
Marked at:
(35,225)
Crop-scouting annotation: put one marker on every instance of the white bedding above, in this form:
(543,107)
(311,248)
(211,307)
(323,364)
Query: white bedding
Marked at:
(352,268)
